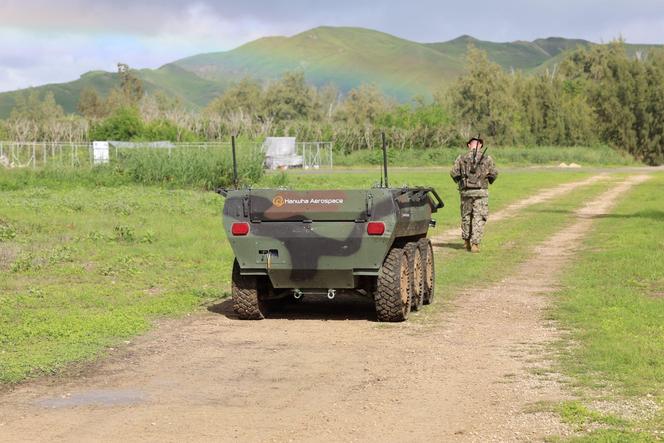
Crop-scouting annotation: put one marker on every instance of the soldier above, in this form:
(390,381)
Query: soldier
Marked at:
(473,172)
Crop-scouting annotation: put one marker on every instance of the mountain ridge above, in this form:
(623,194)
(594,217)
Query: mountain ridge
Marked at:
(344,56)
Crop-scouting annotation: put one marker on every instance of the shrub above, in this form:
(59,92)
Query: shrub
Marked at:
(165,130)
(123,125)
(206,168)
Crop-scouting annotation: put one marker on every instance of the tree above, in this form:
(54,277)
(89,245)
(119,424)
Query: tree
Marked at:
(33,118)
(363,105)
(91,105)
(129,93)
(328,100)
(31,107)
(130,85)
(290,98)
(481,98)
(244,97)
(160,106)
(625,95)
(4,132)
(654,154)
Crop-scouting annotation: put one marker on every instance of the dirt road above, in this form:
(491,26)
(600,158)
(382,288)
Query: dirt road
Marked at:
(312,374)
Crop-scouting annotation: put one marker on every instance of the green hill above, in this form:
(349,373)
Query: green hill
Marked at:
(513,55)
(345,57)
(193,91)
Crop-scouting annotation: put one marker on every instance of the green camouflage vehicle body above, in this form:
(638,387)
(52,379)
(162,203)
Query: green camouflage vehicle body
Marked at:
(322,240)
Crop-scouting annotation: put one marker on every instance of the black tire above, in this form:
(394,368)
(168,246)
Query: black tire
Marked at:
(247,293)
(416,275)
(426,249)
(392,296)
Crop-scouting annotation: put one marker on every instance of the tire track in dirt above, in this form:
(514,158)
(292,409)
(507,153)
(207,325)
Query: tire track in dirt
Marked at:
(312,375)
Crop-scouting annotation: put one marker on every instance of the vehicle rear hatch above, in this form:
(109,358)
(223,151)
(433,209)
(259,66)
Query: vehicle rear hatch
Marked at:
(266,205)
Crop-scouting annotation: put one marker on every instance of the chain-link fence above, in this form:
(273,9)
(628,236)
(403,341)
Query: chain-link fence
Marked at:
(39,154)
(36,155)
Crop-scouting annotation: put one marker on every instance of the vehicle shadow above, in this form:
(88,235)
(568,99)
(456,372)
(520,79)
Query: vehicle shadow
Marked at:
(224,307)
(310,307)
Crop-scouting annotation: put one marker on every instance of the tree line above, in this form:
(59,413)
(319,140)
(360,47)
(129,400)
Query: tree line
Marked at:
(597,94)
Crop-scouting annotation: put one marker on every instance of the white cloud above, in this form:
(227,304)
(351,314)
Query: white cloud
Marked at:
(637,30)
(30,57)
(47,41)
(203,26)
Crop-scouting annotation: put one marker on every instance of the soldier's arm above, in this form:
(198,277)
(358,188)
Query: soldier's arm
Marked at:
(455,173)
(493,172)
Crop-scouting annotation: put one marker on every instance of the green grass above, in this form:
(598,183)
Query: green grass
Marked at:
(613,436)
(83,268)
(590,426)
(506,244)
(504,156)
(576,414)
(182,167)
(613,304)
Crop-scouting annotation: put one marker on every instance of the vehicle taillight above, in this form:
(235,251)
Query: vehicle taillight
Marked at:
(375,228)
(240,228)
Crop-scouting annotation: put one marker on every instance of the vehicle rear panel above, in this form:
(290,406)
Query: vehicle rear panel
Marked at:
(318,239)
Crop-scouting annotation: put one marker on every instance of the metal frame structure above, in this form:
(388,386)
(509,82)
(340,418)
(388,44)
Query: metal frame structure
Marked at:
(315,155)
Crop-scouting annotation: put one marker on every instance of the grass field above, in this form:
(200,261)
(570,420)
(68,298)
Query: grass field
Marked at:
(508,242)
(183,167)
(613,306)
(84,268)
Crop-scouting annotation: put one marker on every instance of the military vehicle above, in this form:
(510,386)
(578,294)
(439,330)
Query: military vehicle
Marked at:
(368,242)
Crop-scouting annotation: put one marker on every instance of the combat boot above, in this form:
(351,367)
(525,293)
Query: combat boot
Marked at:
(474,248)
(467,244)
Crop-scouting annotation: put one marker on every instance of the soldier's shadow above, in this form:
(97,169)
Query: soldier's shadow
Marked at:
(654,215)
(448,245)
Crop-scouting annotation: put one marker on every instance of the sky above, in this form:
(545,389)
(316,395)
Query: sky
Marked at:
(51,41)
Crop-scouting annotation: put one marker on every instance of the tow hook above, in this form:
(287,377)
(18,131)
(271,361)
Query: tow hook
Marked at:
(297,294)
(331,293)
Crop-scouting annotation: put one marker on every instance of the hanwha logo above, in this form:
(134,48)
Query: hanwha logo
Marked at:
(278,201)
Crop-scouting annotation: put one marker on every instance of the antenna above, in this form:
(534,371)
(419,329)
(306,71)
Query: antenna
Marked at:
(477,142)
(477,146)
(235,181)
(382,134)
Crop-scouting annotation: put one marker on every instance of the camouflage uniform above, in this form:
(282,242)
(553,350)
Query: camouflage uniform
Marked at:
(474,190)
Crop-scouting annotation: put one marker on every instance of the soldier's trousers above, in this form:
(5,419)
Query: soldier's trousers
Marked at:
(474,213)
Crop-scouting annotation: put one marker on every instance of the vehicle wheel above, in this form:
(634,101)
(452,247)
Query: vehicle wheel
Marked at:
(392,296)
(416,275)
(426,249)
(247,295)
